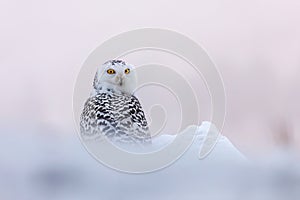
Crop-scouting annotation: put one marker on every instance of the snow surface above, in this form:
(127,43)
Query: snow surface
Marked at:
(41,163)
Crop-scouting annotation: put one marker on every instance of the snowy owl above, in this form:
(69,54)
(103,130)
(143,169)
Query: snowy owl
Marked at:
(112,110)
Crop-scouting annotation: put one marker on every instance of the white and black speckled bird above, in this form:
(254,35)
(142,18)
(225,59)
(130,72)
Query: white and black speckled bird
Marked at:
(112,110)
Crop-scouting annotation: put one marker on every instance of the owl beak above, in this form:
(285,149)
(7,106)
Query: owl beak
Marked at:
(120,79)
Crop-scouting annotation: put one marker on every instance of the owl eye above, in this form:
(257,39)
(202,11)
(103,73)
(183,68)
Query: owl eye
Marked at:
(111,71)
(127,71)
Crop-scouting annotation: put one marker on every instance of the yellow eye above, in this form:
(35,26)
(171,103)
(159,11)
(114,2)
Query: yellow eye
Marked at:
(111,71)
(127,71)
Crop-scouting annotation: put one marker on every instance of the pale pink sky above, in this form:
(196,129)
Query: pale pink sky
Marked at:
(255,44)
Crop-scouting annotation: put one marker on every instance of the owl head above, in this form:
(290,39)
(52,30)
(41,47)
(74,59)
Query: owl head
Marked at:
(116,75)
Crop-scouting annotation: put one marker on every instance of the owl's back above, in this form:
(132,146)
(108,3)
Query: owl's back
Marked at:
(118,116)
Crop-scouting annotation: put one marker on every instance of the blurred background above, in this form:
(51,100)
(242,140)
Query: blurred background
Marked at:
(255,45)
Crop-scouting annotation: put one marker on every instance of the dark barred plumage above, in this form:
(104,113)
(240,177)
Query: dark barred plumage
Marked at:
(113,62)
(118,116)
